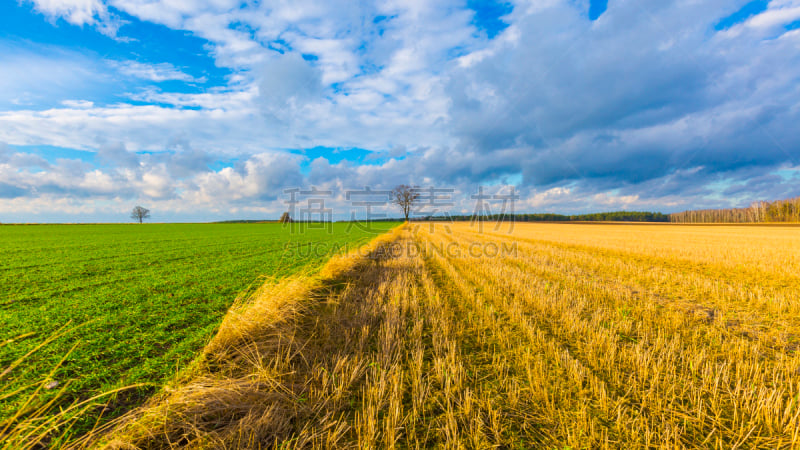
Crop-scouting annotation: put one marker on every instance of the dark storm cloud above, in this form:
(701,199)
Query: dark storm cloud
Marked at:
(643,93)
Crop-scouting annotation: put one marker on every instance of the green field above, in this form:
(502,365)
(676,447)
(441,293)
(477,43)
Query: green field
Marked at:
(139,300)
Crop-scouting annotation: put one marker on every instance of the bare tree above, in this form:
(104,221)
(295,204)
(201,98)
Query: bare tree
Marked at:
(285,218)
(404,196)
(139,213)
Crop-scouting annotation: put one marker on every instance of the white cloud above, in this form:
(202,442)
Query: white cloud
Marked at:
(76,12)
(614,201)
(77,104)
(154,72)
(80,12)
(98,182)
(549,197)
(156,183)
(778,13)
(768,23)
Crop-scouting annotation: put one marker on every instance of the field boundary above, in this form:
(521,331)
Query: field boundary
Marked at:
(251,321)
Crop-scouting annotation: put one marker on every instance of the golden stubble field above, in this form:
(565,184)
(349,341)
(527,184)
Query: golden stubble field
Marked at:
(551,336)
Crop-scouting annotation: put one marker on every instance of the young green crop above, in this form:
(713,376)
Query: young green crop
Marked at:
(140,300)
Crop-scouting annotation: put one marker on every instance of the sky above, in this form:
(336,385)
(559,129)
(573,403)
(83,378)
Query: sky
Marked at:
(216,109)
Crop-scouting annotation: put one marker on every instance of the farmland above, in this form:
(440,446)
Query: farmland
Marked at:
(137,302)
(551,336)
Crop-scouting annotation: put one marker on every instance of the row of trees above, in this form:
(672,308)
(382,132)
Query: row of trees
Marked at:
(759,212)
(617,216)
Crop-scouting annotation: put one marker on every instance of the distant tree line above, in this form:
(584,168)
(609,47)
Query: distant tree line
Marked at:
(759,212)
(616,216)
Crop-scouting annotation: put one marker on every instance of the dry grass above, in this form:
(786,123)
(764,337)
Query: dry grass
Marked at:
(40,422)
(579,337)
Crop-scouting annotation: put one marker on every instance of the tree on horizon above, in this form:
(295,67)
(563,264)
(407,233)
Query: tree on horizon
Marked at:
(404,196)
(140,213)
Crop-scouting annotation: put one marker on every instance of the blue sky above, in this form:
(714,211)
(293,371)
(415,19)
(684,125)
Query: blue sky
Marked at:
(210,109)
